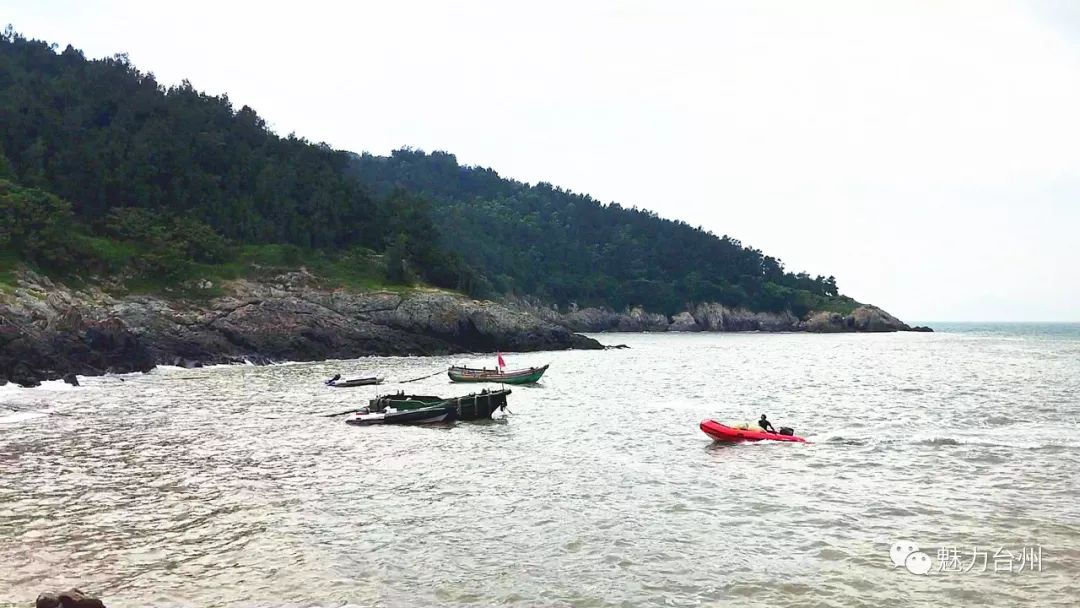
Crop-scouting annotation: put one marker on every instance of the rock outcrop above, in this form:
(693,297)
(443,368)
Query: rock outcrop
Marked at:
(48,331)
(719,318)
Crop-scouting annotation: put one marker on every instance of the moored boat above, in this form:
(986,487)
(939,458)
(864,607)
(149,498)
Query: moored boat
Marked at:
(518,376)
(356,382)
(474,406)
(423,415)
(401,401)
(723,432)
(337,382)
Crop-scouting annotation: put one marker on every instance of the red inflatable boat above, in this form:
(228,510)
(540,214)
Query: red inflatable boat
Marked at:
(721,432)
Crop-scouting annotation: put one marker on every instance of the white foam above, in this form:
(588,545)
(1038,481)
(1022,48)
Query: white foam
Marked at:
(20,417)
(12,389)
(56,385)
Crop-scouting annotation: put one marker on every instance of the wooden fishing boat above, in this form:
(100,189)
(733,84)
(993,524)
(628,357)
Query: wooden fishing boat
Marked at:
(474,406)
(423,415)
(517,376)
(401,401)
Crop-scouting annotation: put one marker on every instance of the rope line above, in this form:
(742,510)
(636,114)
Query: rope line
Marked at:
(420,378)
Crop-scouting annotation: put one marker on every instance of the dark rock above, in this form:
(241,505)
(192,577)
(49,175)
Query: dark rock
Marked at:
(922,328)
(24,376)
(70,319)
(616,347)
(71,379)
(72,598)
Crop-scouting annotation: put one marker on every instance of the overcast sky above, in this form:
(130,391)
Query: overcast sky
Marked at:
(927,154)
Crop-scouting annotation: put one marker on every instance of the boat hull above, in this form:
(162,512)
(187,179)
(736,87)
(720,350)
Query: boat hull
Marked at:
(476,406)
(403,402)
(426,415)
(520,376)
(357,382)
(722,432)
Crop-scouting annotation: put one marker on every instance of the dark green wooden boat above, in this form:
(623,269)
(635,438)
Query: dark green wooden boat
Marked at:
(475,406)
(401,401)
(517,376)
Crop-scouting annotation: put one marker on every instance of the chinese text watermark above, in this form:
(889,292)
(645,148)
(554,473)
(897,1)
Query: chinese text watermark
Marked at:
(964,560)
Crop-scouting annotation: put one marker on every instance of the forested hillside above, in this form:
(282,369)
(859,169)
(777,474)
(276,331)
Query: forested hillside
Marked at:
(104,171)
(103,165)
(567,247)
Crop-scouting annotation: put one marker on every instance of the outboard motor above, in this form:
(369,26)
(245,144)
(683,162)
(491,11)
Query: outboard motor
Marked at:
(787,430)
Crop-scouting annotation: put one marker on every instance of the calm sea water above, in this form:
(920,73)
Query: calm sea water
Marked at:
(224,487)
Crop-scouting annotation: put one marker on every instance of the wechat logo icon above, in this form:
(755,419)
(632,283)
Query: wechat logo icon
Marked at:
(907,554)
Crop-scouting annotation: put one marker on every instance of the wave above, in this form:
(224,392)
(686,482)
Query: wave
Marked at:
(21,417)
(841,440)
(49,385)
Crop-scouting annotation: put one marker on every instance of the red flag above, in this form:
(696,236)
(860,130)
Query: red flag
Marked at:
(501,362)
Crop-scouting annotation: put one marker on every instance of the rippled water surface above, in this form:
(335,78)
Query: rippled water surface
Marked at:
(224,486)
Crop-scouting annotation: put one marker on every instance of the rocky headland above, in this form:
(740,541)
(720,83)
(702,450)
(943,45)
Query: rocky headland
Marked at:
(49,330)
(719,318)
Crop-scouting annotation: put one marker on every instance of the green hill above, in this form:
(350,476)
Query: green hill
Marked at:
(103,171)
(565,247)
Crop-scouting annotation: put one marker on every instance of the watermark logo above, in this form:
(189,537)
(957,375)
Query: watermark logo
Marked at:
(907,554)
(953,559)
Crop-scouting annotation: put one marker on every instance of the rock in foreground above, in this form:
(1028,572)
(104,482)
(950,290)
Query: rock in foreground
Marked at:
(72,598)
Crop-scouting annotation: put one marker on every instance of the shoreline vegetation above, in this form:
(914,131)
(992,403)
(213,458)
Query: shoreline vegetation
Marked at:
(147,224)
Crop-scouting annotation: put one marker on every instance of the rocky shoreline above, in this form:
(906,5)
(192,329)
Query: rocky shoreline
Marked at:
(713,317)
(50,331)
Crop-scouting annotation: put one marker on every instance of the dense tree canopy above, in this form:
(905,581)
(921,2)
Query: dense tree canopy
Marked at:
(566,247)
(120,147)
(103,168)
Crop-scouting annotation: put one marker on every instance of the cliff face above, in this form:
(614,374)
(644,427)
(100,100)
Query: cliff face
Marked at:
(48,330)
(716,317)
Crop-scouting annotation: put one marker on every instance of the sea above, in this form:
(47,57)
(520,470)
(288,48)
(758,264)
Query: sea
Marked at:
(941,469)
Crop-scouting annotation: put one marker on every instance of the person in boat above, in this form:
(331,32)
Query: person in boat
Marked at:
(766,425)
(333,381)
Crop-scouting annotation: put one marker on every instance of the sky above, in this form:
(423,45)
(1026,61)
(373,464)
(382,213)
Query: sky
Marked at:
(927,154)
